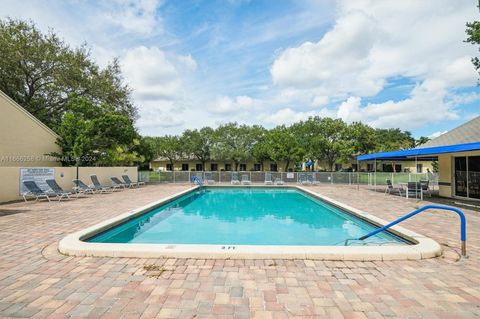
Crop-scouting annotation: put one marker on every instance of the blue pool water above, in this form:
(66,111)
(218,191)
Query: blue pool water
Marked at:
(244,216)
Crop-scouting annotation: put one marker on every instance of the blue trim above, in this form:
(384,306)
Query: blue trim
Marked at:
(422,152)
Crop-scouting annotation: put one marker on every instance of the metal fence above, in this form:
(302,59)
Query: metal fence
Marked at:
(345,178)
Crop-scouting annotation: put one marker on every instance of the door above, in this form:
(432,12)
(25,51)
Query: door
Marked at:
(461,176)
(474,177)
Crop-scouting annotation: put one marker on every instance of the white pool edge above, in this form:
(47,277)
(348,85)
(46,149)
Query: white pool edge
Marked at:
(72,245)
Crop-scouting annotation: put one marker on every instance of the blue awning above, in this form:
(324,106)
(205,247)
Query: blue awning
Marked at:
(421,152)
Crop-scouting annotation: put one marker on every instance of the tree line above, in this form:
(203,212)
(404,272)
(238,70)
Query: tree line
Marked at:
(315,139)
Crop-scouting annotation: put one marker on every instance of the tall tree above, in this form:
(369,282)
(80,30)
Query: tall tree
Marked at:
(282,145)
(393,139)
(199,143)
(473,33)
(42,73)
(169,147)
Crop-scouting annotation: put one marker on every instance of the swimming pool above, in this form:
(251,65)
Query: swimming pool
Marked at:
(255,222)
(245,216)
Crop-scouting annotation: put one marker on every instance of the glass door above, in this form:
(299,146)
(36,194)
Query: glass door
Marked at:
(474,177)
(461,176)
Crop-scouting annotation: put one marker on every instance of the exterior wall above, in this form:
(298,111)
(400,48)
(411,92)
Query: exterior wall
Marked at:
(446,177)
(162,165)
(10,186)
(409,165)
(24,140)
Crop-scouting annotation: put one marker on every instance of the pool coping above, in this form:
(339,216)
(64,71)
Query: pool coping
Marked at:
(422,247)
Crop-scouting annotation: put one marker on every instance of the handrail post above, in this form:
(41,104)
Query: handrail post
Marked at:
(463,224)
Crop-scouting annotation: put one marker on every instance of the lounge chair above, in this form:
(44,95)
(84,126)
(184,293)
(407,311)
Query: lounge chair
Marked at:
(311,180)
(302,179)
(235,180)
(128,181)
(426,188)
(209,178)
(82,188)
(119,183)
(101,188)
(390,189)
(246,179)
(56,189)
(268,178)
(279,181)
(35,191)
(415,189)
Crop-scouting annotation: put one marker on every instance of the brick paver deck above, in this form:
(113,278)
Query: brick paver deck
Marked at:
(36,281)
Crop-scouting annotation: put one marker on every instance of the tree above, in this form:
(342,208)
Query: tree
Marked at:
(43,73)
(421,140)
(169,147)
(234,142)
(199,143)
(260,151)
(282,145)
(362,136)
(91,135)
(393,139)
(473,33)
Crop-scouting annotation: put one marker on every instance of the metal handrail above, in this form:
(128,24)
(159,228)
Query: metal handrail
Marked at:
(463,223)
(197,180)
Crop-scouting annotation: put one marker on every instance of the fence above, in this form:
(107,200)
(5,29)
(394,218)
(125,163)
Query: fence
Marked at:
(349,178)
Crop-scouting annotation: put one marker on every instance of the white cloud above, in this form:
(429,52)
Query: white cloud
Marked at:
(289,116)
(374,41)
(436,134)
(139,16)
(225,104)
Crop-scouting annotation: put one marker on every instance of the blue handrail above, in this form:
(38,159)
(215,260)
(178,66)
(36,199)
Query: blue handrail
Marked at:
(463,223)
(197,180)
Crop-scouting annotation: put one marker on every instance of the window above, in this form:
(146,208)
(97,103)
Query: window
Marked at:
(243,167)
(228,167)
(273,167)
(199,167)
(355,167)
(214,167)
(370,167)
(257,167)
(169,167)
(419,168)
(389,168)
(338,167)
(184,167)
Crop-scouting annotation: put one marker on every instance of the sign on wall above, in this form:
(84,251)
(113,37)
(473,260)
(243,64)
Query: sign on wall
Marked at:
(36,174)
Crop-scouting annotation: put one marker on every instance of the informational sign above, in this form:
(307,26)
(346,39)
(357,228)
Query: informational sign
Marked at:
(37,174)
(290,175)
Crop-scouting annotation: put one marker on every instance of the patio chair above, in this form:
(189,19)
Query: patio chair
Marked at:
(390,189)
(302,179)
(312,180)
(119,183)
(279,181)
(426,188)
(209,178)
(101,188)
(82,188)
(246,179)
(268,178)
(235,180)
(56,189)
(128,181)
(34,191)
(415,189)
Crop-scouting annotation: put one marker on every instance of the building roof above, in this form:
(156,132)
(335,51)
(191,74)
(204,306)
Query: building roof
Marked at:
(422,152)
(468,132)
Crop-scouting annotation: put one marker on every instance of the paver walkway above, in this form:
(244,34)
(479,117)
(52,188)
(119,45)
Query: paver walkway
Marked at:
(36,281)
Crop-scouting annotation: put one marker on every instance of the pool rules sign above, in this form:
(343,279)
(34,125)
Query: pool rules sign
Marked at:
(36,174)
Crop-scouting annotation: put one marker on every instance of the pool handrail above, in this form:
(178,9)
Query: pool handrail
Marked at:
(463,223)
(197,180)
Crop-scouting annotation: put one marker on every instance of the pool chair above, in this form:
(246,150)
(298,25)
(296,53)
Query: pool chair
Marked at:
(209,178)
(426,188)
(128,181)
(303,179)
(391,190)
(414,188)
(235,180)
(82,188)
(246,179)
(99,188)
(35,191)
(279,181)
(311,180)
(119,183)
(56,189)
(268,178)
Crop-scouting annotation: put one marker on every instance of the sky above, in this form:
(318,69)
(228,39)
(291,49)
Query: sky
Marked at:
(204,62)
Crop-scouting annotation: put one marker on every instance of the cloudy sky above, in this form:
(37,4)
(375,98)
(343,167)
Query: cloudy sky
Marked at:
(195,63)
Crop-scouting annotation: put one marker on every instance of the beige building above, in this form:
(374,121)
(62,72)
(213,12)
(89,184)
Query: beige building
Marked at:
(162,164)
(24,140)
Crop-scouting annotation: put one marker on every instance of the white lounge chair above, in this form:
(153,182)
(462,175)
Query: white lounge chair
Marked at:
(279,181)
(302,179)
(268,178)
(209,178)
(35,191)
(128,181)
(246,179)
(235,180)
(101,188)
(56,189)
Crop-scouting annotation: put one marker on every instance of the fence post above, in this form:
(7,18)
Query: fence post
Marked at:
(349,178)
(331,177)
(189,176)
